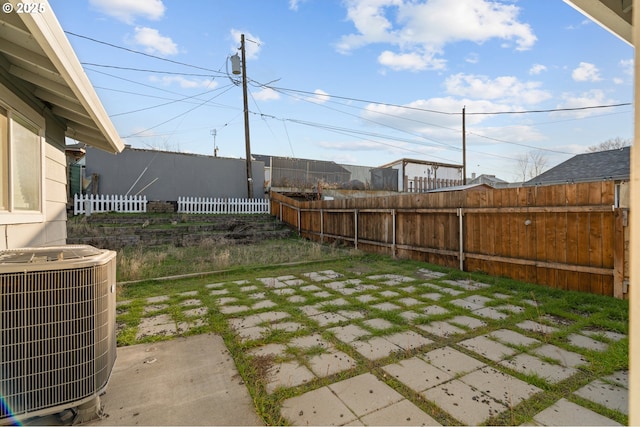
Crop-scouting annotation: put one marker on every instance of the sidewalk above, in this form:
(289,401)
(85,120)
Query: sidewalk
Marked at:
(372,350)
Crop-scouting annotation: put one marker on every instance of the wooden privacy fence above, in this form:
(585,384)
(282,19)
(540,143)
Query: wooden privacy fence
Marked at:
(96,203)
(215,205)
(564,236)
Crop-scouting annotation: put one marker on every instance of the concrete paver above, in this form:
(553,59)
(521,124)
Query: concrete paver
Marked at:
(608,395)
(528,364)
(324,365)
(586,342)
(375,348)
(452,361)
(565,413)
(403,413)
(287,374)
(471,379)
(317,407)
(504,388)
(417,374)
(488,348)
(365,394)
(464,402)
(508,336)
(441,329)
(541,328)
(562,356)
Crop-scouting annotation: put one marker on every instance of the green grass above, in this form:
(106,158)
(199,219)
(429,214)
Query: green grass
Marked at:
(296,256)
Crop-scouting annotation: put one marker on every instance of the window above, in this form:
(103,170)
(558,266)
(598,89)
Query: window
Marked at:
(20,164)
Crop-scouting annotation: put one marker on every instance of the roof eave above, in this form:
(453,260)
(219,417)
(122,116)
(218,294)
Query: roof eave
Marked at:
(47,32)
(613,15)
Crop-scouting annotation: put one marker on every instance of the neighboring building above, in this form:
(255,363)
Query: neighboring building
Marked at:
(418,176)
(610,165)
(490,180)
(588,167)
(289,172)
(45,96)
(166,176)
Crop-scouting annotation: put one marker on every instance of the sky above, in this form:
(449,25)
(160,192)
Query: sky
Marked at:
(359,82)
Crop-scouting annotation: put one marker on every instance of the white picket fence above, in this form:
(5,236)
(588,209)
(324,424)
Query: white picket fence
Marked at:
(215,205)
(89,203)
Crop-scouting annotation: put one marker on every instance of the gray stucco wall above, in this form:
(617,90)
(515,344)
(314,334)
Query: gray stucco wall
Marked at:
(178,174)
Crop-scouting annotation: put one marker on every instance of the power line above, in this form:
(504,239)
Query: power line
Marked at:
(138,52)
(92,64)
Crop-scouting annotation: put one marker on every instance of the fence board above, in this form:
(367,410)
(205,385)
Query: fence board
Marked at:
(572,241)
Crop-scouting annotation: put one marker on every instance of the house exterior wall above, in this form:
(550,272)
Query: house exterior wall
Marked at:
(416,176)
(49,227)
(168,175)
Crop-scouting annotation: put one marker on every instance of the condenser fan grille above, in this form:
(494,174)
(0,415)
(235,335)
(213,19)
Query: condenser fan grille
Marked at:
(57,336)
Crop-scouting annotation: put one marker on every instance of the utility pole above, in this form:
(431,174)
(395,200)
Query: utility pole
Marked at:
(464,148)
(215,147)
(247,141)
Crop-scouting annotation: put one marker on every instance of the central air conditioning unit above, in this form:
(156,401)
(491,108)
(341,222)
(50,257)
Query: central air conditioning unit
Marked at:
(57,330)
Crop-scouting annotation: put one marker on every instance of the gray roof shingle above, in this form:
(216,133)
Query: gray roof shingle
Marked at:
(598,166)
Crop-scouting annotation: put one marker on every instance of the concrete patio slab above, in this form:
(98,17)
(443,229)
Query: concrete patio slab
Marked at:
(317,407)
(537,327)
(608,395)
(375,348)
(365,394)
(490,313)
(488,348)
(441,329)
(565,413)
(408,340)
(586,342)
(562,356)
(619,377)
(528,364)
(287,374)
(186,375)
(469,322)
(507,336)
(452,361)
(348,333)
(326,364)
(464,402)
(433,310)
(403,413)
(417,374)
(502,387)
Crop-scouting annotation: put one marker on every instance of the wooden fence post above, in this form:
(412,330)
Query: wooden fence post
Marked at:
(461,238)
(355,234)
(621,221)
(393,232)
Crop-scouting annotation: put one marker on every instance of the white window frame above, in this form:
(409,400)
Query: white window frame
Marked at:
(13,105)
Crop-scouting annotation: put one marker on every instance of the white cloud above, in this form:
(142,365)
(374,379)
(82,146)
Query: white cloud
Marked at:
(184,82)
(127,10)
(252,44)
(154,42)
(293,4)
(627,66)
(586,72)
(507,88)
(266,94)
(320,97)
(410,61)
(537,69)
(420,30)
(586,99)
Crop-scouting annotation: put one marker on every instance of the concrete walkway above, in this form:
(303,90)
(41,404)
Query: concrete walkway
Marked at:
(347,349)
